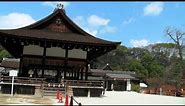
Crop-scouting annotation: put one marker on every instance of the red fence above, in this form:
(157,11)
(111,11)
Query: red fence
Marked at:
(169,90)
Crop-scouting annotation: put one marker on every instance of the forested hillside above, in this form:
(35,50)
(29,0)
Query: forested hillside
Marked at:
(154,63)
(3,53)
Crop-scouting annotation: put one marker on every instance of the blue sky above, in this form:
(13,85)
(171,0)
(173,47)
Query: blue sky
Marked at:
(135,24)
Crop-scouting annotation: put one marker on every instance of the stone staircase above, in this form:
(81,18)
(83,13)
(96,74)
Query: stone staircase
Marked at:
(51,89)
(70,91)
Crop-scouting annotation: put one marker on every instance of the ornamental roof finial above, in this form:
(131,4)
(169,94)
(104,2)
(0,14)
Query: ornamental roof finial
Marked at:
(60,7)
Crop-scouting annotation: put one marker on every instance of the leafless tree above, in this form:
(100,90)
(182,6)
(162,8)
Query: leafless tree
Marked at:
(177,36)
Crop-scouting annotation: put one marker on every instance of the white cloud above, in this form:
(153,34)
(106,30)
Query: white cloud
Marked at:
(130,20)
(79,20)
(139,43)
(142,42)
(54,4)
(154,8)
(94,25)
(159,42)
(108,29)
(91,31)
(15,20)
(95,20)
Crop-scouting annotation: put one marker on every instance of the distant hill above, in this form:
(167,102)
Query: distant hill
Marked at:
(168,48)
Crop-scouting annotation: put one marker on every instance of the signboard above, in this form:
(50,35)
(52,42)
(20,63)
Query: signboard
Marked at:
(142,85)
(13,73)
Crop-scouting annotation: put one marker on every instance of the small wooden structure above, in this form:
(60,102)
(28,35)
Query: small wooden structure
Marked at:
(54,48)
(114,80)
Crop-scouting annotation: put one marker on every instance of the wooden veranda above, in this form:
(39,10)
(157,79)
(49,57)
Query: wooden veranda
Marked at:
(46,88)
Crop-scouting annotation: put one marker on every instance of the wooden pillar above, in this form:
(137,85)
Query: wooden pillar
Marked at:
(75,75)
(72,74)
(86,70)
(20,63)
(78,74)
(43,60)
(35,73)
(58,76)
(81,73)
(65,63)
(26,69)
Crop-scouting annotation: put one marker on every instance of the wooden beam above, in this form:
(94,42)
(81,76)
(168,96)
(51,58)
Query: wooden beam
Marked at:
(75,74)
(65,63)
(86,70)
(20,63)
(43,60)
(35,74)
(72,74)
(78,74)
(58,75)
(81,73)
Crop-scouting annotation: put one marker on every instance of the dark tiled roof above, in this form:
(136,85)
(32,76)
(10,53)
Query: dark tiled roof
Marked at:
(107,67)
(36,30)
(100,70)
(120,76)
(113,74)
(51,35)
(95,78)
(110,71)
(121,72)
(10,63)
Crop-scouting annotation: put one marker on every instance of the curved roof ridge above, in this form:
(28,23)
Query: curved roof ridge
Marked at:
(62,12)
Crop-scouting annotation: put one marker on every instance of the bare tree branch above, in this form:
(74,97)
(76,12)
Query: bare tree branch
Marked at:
(177,36)
(169,33)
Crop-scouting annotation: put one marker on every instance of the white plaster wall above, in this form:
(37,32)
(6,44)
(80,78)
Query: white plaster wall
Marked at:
(128,85)
(77,53)
(55,51)
(33,50)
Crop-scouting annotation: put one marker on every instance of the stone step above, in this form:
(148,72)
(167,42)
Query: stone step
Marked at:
(51,93)
(70,91)
(53,89)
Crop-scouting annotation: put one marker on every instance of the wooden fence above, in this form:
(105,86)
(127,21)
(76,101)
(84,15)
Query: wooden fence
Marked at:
(27,80)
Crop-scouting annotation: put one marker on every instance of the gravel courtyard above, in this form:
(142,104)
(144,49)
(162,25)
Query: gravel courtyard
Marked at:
(110,98)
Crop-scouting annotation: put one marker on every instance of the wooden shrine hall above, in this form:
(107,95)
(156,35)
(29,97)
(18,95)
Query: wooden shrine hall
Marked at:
(54,48)
(54,43)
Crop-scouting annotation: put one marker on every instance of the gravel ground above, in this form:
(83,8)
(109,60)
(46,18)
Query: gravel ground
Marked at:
(131,98)
(24,99)
(110,98)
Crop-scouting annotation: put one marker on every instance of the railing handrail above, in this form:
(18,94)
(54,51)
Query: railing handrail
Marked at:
(22,79)
(28,78)
(63,83)
(82,81)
